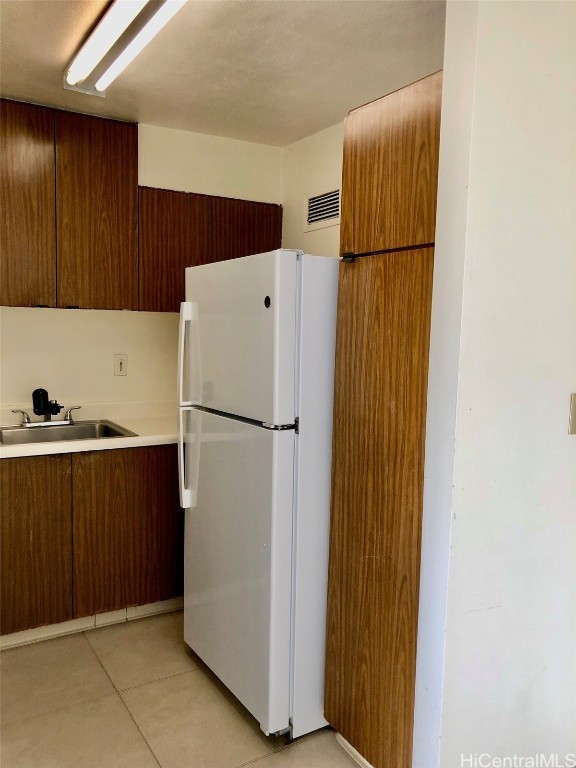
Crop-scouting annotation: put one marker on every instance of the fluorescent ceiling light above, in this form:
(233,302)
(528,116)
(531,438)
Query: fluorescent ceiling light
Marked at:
(151,28)
(116,20)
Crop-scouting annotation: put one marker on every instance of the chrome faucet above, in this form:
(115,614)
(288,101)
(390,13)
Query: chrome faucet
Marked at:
(68,415)
(27,422)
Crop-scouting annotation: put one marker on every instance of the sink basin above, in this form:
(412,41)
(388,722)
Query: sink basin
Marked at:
(81,430)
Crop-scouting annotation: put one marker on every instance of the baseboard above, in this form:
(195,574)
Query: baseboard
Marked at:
(354,754)
(38,634)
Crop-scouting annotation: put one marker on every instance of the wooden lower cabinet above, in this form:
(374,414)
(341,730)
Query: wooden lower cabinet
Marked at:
(380,392)
(85,533)
(35,542)
(128,528)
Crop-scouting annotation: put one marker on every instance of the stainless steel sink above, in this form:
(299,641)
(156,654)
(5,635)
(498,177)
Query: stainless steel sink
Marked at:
(80,430)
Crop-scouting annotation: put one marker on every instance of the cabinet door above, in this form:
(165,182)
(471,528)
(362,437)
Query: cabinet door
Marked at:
(155,532)
(174,234)
(27,226)
(377,479)
(241,228)
(390,172)
(128,528)
(97,212)
(36,535)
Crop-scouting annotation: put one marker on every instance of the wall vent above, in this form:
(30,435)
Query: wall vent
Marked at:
(323,210)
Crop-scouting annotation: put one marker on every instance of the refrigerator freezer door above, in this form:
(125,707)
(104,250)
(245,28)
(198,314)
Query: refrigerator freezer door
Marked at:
(247,330)
(237,612)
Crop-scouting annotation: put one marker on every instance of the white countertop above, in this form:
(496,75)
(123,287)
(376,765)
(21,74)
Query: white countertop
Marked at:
(153,423)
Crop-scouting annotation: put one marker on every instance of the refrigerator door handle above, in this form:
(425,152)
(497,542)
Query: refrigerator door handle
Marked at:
(185,319)
(189,367)
(191,462)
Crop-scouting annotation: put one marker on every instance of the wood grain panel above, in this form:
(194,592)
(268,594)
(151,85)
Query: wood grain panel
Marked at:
(155,538)
(390,171)
(174,234)
(35,542)
(27,224)
(128,528)
(377,480)
(241,228)
(97,212)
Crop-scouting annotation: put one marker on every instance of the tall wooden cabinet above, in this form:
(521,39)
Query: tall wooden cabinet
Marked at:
(27,224)
(381,372)
(96,212)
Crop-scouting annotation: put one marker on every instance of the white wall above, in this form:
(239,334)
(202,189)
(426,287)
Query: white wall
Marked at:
(311,166)
(70,352)
(210,165)
(506,268)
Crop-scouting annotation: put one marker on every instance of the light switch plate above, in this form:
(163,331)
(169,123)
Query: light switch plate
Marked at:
(572,422)
(121,365)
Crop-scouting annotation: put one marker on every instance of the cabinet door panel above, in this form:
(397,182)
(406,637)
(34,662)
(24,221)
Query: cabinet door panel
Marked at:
(377,479)
(241,228)
(174,234)
(128,528)
(27,225)
(100,499)
(97,212)
(36,539)
(155,531)
(390,172)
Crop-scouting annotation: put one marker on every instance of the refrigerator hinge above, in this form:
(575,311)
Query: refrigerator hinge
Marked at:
(280,427)
(297,425)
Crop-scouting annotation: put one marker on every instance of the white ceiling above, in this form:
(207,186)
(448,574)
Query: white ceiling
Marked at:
(270,71)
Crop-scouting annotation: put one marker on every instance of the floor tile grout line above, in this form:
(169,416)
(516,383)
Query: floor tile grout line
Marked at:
(131,716)
(71,704)
(264,757)
(158,680)
(119,695)
(58,709)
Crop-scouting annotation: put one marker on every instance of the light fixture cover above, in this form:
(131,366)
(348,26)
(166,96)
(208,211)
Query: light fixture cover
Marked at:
(166,11)
(114,22)
(117,19)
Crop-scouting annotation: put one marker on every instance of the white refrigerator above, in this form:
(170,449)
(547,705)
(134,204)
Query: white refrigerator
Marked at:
(256,365)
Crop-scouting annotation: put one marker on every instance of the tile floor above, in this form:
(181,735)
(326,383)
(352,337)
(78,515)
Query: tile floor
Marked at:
(132,696)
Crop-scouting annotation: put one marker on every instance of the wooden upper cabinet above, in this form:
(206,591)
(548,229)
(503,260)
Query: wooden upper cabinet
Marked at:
(390,171)
(96,212)
(35,539)
(242,227)
(174,234)
(27,227)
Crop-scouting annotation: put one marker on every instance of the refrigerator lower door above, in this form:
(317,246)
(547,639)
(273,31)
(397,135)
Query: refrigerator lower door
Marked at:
(238,554)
